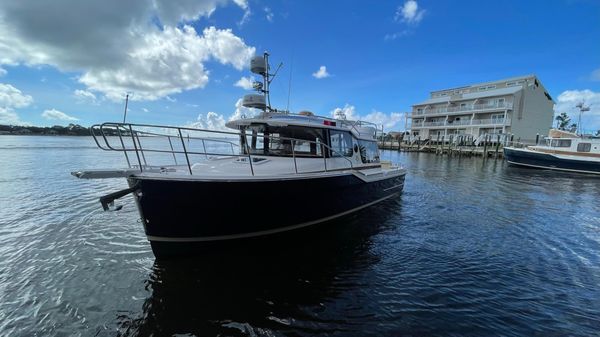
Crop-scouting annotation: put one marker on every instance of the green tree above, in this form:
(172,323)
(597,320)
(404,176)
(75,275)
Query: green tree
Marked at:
(563,120)
(573,128)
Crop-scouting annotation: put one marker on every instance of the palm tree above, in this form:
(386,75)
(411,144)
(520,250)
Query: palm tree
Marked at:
(563,120)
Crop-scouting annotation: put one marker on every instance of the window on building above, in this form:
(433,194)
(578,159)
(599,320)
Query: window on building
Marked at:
(491,87)
(481,88)
(463,105)
(584,147)
(497,118)
(561,143)
(510,84)
(419,110)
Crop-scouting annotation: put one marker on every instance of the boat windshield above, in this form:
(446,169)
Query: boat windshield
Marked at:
(278,140)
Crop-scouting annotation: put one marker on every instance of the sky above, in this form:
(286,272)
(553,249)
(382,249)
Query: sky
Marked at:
(186,62)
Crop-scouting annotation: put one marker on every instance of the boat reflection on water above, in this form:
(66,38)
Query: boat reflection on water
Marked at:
(281,286)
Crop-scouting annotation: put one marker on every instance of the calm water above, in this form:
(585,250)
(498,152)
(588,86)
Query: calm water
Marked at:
(471,248)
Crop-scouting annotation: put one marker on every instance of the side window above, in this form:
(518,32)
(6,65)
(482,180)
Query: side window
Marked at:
(584,147)
(341,143)
(561,143)
(369,153)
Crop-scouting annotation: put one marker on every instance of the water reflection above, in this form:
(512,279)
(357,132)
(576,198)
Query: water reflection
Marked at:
(271,286)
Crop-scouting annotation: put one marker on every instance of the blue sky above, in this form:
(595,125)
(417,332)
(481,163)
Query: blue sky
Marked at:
(71,61)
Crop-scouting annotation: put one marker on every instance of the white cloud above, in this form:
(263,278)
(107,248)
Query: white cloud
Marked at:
(215,121)
(567,100)
(145,110)
(347,112)
(243,112)
(394,36)
(269,14)
(391,121)
(171,99)
(53,114)
(120,48)
(242,3)
(11,97)
(169,62)
(210,121)
(321,73)
(409,12)
(9,117)
(2,72)
(595,75)
(84,96)
(245,83)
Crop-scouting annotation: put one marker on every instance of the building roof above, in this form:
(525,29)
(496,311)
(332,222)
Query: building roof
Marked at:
(473,95)
(510,79)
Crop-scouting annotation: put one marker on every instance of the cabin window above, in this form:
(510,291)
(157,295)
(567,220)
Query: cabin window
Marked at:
(561,143)
(340,143)
(278,141)
(369,153)
(584,147)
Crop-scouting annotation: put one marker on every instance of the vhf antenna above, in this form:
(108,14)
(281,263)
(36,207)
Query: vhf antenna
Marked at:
(126,102)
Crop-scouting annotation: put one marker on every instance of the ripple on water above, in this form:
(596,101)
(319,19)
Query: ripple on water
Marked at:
(471,247)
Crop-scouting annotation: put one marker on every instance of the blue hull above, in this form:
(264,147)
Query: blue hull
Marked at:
(549,161)
(182,215)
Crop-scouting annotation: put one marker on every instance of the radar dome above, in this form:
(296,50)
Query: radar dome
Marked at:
(258,65)
(254,101)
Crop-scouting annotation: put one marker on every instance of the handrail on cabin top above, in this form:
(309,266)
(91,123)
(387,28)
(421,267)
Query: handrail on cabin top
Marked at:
(137,146)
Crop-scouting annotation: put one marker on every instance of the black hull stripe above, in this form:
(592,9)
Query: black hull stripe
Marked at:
(266,232)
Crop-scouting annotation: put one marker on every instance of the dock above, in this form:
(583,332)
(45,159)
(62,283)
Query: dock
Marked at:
(467,146)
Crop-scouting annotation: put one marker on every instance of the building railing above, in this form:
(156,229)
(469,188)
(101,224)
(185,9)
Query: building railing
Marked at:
(466,122)
(466,108)
(177,142)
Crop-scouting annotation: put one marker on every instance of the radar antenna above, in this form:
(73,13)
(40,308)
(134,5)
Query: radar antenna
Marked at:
(260,65)
(582,108)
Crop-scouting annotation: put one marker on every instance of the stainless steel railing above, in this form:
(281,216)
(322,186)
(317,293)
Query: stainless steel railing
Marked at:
(129,143)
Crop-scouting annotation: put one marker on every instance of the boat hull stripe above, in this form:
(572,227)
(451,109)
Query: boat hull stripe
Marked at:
(265,232)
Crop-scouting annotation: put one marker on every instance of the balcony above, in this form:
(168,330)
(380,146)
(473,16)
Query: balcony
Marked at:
(461,109)
(466,122)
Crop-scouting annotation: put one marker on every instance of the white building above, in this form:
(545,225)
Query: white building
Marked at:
(519,106)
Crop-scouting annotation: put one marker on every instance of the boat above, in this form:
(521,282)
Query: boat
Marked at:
(276,172)
(561,150)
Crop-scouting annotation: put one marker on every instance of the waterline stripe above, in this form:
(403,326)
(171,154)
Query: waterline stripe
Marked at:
(553,168)
(395,186)
(266,232)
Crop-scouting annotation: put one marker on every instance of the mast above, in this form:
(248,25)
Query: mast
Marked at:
(262,100)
